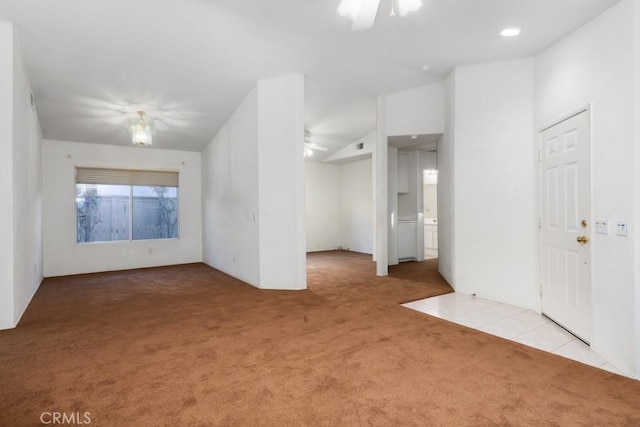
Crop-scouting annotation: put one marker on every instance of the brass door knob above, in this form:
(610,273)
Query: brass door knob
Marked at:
(582,240)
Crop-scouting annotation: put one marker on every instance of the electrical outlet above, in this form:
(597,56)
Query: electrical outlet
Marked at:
(621,228)
(602,226)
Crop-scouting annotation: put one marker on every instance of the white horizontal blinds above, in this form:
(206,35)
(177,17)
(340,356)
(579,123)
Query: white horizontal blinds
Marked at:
(126,177)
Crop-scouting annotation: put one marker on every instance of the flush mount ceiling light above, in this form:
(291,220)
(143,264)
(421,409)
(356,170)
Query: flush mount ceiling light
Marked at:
(363,12)
(141,131)
(510,32)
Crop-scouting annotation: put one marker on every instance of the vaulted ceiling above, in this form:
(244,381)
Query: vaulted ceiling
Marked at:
(189,63)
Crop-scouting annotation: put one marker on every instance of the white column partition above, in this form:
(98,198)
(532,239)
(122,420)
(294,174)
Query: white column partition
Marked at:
(253,188)
(381,197)
(281,183)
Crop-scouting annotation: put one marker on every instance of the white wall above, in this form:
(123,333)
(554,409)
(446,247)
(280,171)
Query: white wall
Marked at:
(253,189)
(356,213)
(351,185)
(230,195)
(595,65)
(20,185)
(6,176)
(281,182)
(63,256)
(27,191)
(446,187)
(323,206)
(392,206)
(495,175)
(415,111)
(428,160)
(339,200)
(636,200)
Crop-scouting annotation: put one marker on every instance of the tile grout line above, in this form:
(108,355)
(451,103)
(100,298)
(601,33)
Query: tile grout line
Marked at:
(453,302)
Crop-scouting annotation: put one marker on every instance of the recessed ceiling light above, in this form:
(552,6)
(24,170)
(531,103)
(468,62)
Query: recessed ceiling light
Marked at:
(414,136)
(510,32)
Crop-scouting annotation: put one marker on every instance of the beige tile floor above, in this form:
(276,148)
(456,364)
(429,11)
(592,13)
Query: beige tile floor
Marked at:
(513,323)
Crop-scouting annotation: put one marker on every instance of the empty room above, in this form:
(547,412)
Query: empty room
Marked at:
(320,212)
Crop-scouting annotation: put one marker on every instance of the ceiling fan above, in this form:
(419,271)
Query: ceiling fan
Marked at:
(363,12)
(309,146)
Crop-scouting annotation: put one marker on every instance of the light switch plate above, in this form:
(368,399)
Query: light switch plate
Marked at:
(602,226)
(621,228)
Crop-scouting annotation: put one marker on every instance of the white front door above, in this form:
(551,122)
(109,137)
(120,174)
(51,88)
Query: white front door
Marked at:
(565,224)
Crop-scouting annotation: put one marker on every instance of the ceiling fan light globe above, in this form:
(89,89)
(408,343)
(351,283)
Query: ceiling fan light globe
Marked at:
(350,8)
(308,152)
(406,6)
(510,32)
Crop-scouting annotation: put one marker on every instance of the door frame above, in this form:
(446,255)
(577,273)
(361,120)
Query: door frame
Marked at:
(588,108)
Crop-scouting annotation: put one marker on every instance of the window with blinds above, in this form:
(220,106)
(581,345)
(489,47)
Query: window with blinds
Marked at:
(124,204)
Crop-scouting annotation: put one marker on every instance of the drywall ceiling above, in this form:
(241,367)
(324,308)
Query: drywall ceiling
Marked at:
(189,63)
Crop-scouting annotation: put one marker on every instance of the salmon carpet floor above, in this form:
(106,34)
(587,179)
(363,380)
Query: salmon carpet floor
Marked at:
(189,345)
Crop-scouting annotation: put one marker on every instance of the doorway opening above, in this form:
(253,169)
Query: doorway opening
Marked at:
(339,204)
(412,164)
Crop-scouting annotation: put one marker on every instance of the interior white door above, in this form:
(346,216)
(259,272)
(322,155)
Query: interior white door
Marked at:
(565,224)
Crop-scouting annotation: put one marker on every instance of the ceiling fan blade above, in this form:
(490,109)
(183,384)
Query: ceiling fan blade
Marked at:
(317,147)
(367,15)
